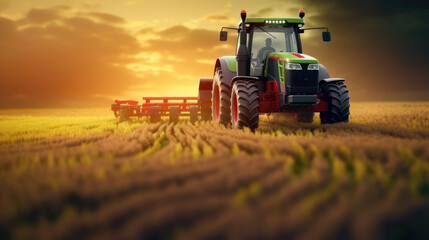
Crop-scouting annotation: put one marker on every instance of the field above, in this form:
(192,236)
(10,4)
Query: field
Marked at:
(80,174)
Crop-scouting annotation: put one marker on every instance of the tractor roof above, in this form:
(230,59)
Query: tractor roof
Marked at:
(263,20)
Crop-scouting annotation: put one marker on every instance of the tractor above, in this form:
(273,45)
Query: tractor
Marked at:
(270,74)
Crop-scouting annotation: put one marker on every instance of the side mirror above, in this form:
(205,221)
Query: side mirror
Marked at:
(223,36)
(326,36)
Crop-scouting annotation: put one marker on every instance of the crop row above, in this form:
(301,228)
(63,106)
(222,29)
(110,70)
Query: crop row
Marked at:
(187,181)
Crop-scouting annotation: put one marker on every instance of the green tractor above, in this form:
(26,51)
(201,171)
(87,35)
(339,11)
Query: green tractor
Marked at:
(270,74)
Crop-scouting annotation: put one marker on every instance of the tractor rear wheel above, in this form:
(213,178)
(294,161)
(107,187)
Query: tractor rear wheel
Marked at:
(193,113)
(154,114)
(174,113)
(245,105)
(221,99)
(305,116)
(337,96)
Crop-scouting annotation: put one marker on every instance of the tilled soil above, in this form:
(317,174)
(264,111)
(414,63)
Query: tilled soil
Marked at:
(205,181)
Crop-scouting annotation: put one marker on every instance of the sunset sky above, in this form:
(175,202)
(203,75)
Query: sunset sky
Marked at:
(76,53)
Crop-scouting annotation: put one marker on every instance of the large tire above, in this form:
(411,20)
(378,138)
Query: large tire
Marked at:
(174,113)
(193,114)
(337,96)
(221,99)
(245,105)
(305,116)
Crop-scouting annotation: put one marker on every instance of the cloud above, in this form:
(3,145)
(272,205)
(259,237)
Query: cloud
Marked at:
(91,5)
(218,18)
(40,16)
(59,60)
(108,18)
(3,4)
(265,12)
(7,28)
(179,51)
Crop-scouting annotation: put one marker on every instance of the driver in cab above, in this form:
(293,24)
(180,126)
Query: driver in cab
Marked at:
(262,54)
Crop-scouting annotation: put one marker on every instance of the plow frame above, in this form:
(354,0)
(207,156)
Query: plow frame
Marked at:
(156,107)
(174,107)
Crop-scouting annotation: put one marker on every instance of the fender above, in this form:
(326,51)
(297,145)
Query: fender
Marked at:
(325,78)
(323,72)
(228,73)
(330,80)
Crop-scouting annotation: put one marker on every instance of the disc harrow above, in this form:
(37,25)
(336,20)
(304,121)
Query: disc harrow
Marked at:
(157,107)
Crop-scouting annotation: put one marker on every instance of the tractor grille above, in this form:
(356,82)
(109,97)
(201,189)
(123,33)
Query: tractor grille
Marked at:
(301,82)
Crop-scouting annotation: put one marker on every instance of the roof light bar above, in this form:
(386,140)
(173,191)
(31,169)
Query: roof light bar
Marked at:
(275,21)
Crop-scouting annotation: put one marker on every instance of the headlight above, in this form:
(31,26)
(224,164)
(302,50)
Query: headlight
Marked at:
(313,66)
(293,66)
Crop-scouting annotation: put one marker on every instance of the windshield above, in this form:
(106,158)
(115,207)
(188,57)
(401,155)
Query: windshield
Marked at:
(268,39)
(278,39)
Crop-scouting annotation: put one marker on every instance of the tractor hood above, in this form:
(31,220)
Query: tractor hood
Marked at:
(282,56)
(292,57)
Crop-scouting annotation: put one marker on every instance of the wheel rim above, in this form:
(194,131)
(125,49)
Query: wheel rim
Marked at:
(216,102)
(234,108)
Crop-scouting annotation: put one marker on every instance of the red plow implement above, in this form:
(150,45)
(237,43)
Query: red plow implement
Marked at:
(156,107)
(174,107)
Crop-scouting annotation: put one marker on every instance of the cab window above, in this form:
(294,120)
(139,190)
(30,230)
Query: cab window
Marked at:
(268,39)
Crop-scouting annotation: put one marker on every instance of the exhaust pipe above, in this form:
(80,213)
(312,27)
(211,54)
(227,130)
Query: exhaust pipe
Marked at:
(243,57)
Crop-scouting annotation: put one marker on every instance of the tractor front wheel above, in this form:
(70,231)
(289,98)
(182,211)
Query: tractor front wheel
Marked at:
(337,96)
(244,105)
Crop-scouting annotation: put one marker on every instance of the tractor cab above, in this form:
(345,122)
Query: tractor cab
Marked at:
(268,35)
(265,39)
